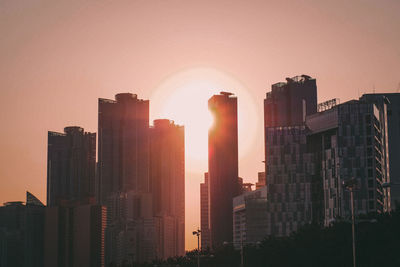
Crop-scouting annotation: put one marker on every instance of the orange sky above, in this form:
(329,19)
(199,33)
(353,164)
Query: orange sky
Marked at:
(58,57)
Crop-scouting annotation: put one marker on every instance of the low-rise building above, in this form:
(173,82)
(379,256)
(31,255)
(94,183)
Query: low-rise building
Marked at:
(250,218)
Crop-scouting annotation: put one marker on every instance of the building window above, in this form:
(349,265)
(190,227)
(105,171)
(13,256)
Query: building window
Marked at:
(369,162)
(371,194)
(368,118)
(371,205)
(370,183)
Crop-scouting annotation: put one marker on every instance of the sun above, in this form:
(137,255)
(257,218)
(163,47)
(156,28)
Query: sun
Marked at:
(187,106)
(183,98)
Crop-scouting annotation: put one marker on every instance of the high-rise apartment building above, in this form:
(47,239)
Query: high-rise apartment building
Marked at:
(222,166)
(205,213)
(167,185)
(123,145)
(71,162)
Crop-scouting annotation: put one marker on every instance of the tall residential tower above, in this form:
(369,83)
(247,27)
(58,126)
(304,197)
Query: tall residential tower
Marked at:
(167,182)
(71,163)
(123,145)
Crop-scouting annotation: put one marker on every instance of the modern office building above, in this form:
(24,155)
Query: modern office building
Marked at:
(310,157)
(205,214)
(250,218)
(123,145)
(74,235)
(21,233)
(392,101)
(71,162)
(349,141)
(222,166)
(167,185)
(289,173)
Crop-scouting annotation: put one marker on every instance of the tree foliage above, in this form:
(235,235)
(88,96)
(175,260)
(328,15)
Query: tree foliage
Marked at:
(377,244)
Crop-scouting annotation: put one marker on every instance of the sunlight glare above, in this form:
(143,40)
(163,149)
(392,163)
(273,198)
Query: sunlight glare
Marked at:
(183,98)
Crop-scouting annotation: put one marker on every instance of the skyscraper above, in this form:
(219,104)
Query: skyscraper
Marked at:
(222,166)
(123,145)
(71,161)
(167,183)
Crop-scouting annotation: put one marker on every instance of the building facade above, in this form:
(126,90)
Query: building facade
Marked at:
(205,213)
(74,235)
(131,228)
(350,141)
(71,162)
(123,145)
(392,101)
(293,198)
(222,166)
(250,218)
(167,185)
(291,180)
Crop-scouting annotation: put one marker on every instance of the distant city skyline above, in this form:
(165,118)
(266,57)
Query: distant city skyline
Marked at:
(58,58)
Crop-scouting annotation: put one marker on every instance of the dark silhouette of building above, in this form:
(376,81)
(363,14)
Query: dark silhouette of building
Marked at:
(123,178)
(205,213)
(289,103)
(222,166)
(74,235)
(71,162)
(167,179)
(21,233)
(123,145)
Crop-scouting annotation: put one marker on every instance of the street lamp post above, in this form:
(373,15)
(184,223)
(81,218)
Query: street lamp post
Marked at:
(197,233)
(351,186)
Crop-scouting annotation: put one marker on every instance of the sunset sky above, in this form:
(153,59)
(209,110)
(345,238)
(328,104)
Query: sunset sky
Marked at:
(58,57)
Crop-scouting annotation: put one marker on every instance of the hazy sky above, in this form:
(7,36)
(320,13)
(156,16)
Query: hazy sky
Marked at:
(58,57)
